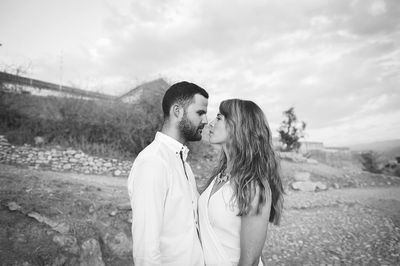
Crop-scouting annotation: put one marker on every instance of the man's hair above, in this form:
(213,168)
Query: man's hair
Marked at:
(181,93)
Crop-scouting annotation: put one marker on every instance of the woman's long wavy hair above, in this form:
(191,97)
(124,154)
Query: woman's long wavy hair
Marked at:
(254,163)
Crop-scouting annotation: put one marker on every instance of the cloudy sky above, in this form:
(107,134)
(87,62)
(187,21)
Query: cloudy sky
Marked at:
(336,61)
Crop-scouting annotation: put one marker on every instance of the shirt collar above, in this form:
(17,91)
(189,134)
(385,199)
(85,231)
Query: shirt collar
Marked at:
(173,144)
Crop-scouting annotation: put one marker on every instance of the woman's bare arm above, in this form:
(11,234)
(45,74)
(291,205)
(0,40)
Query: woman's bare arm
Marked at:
(253,232)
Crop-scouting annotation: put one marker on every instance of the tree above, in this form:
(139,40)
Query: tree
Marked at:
(291,131)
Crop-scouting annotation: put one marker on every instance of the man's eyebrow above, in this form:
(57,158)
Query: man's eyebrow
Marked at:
(201,112)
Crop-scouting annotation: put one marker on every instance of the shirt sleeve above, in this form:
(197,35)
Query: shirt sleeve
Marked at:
(148,188)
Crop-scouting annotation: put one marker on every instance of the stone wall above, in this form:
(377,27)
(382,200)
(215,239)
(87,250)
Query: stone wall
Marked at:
(58,159)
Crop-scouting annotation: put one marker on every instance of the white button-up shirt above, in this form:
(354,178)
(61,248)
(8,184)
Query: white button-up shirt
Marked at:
(164,206)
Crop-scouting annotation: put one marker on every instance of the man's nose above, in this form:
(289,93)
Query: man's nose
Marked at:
(204,120)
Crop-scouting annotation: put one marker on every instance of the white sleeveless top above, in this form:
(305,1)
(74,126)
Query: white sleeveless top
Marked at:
(220,226)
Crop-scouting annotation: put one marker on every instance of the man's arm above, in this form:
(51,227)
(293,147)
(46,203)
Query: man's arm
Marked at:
(148,188)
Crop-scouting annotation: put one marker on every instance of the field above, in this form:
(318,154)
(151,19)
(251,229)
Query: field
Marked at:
(50,218)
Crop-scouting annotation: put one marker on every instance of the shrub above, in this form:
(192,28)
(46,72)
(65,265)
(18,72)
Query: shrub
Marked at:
(371,161)
(397,170)
(104,128)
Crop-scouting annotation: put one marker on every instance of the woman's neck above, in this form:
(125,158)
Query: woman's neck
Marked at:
(228,161)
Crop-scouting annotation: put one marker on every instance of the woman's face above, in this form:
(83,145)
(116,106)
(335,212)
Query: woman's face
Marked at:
(218,130)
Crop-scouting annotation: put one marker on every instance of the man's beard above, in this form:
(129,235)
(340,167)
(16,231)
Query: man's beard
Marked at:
(189,131)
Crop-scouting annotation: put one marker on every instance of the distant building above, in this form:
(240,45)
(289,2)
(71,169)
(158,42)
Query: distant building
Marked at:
(338,148)
(22,85)
(306,146)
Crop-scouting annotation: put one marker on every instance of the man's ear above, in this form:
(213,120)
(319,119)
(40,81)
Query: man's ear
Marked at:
(177,111)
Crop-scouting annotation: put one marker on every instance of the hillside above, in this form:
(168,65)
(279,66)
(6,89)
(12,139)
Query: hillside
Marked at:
(388,148)
(146,92)
(117,128)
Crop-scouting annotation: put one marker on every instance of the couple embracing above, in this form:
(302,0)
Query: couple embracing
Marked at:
(227,224)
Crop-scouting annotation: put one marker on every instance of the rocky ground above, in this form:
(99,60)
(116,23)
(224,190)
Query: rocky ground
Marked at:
(358,226)
(49,218)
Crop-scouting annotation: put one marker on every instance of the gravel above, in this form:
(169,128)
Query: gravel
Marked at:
(342,227)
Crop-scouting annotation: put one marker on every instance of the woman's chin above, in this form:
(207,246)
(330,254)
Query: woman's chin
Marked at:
(213,142)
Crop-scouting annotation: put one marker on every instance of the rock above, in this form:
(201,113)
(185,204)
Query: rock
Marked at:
(129,218)
(312,161)
(21,238)
(67,243)
(117,173)
(59,227)
(13,206)
(119,244)
(321,186)
(70,151)
(124,206)
(59,159)
(73,160)
(67,166)
(60,260)
(113,213)
(304,186)
(302,176)
(36,216)
(62,228)
(38,140)
(92,209)
(91,254)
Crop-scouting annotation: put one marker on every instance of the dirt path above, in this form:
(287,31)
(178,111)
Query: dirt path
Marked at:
(336,227)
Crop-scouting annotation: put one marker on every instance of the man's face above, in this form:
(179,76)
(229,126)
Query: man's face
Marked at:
(194,118)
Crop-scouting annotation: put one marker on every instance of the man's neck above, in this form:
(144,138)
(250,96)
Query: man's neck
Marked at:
(173,133)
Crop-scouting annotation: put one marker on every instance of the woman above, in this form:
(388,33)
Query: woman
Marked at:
(245,192)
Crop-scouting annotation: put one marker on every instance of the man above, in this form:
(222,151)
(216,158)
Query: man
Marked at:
(162,187)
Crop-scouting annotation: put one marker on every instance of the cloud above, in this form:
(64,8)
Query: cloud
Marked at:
(337,61)
(377,8)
